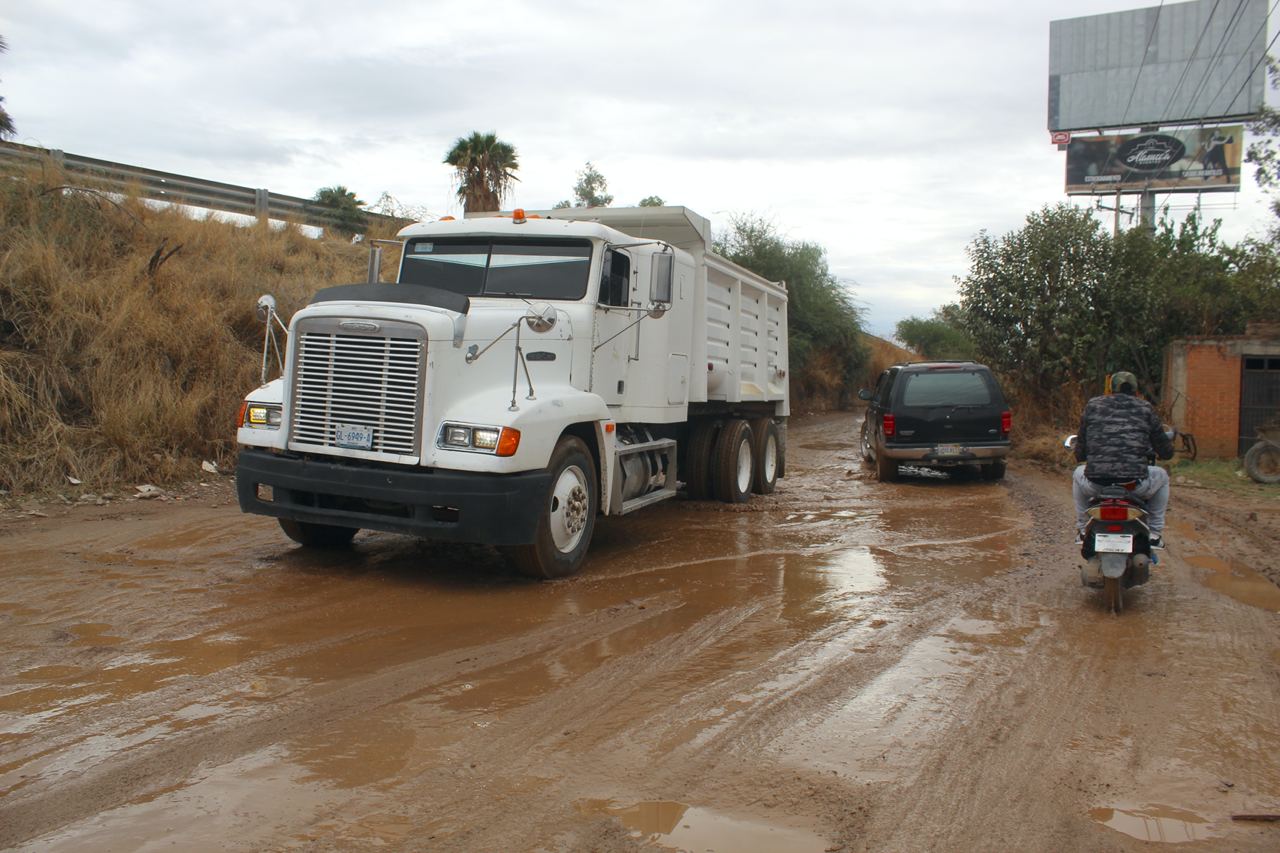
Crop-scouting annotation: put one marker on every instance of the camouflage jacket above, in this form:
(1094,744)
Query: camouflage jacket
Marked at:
(1118,432)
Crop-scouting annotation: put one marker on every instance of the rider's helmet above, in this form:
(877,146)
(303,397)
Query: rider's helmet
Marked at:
(1121,378)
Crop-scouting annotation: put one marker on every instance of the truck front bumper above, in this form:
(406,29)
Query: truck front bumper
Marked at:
(495,509)
(927,454)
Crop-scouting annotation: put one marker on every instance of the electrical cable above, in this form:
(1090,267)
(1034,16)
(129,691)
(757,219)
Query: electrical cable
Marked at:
(1186,69)
(1215,58)
(1151,35)
(1241,57)
(1254,70)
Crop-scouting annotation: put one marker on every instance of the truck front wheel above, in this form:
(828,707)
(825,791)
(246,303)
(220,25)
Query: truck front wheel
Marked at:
(567,516)
(317,535)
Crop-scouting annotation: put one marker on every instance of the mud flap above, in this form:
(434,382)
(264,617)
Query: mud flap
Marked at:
(1113,565)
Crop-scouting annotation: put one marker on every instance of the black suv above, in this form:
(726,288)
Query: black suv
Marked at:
(937,414)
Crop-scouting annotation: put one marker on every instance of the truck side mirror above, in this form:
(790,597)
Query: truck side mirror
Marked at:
(660,278)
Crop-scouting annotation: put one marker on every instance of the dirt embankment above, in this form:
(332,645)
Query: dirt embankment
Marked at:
(845,666)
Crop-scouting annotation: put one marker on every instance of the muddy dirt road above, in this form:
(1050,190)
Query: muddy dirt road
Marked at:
(845,666)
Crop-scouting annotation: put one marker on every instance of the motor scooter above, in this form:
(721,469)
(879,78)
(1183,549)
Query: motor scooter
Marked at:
(1116,545)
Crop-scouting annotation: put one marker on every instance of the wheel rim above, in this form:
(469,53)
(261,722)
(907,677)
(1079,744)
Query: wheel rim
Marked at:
(744,466)
(769,465)
(570,509)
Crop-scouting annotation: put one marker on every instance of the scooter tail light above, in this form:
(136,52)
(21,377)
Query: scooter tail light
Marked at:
(1114,513)
(890,426)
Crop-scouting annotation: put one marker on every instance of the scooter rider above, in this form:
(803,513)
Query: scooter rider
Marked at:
(1118,434)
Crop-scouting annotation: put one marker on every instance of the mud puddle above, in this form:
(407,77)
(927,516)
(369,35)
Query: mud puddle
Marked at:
(1155,823)
(677,826)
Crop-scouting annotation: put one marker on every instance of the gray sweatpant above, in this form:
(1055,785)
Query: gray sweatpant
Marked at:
(1154,490)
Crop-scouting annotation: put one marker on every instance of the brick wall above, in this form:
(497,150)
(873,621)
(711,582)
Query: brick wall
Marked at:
(1212,398)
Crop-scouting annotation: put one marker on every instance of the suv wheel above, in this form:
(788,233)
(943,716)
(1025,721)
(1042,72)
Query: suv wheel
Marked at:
(993,470)
(886,469)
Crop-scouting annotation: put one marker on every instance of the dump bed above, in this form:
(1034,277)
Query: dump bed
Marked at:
(739,346)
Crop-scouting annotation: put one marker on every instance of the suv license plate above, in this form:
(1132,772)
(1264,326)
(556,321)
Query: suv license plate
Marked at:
(354,436)
(948,450)
(1113,543)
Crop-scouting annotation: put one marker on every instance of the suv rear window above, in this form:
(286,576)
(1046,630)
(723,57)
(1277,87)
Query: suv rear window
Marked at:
(946,388)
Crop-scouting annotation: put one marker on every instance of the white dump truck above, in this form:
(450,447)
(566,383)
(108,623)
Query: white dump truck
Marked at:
(525,373)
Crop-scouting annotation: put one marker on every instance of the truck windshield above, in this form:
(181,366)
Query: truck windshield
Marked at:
(480,266)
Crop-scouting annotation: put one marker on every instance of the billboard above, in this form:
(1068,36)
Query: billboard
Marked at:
(1178,63)
(1203,159)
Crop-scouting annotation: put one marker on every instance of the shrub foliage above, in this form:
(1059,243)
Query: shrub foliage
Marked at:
(827,353)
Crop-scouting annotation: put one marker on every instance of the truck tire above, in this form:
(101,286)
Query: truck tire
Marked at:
(865,445)
(886,468)
(1262,462)
(734,462)
(766,451)
(311,535)
(782,448)
(697,459)
(567,519)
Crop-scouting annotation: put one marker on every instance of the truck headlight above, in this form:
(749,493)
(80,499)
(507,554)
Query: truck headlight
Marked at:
(500,441)
(457,436)
(262,416)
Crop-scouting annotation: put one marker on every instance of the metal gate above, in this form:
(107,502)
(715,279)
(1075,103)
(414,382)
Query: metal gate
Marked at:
(1259,399)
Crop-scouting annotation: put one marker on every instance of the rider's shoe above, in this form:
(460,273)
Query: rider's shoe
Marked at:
(1157,542)
(1079,537)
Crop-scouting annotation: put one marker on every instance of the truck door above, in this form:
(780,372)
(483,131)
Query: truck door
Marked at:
(613,342)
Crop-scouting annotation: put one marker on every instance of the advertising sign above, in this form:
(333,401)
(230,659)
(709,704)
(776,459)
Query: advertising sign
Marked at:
(1201,159)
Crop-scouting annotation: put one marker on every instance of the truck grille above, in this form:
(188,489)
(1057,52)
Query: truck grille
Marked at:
(369,382)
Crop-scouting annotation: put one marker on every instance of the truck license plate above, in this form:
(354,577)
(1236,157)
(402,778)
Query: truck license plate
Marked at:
(948,450)
(1113,543)
(354,436)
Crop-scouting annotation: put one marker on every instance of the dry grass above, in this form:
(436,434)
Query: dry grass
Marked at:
(883,354)
(127,333)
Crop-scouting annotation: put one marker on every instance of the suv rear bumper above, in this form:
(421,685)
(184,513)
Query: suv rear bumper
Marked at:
(927,454)
(457,506)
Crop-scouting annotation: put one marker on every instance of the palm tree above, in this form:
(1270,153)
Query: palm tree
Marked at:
(6,123)
(486,167)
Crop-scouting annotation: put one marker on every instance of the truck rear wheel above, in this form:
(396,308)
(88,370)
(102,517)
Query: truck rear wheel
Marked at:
(767,453)
(734,462)
(567,518)
(697,460)
(317,535)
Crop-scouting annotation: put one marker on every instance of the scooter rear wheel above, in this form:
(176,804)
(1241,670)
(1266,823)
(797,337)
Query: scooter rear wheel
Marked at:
(1113,595)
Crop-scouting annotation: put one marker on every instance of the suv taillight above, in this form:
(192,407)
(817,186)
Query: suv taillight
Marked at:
(890,426)
(1006,422)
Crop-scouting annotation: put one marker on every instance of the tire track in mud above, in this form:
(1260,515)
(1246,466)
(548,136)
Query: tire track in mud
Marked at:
(168,761)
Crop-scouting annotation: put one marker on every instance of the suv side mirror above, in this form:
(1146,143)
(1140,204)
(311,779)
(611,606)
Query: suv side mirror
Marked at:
(660,278)
(865,394)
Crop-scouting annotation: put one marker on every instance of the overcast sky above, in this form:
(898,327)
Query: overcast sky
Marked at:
(888,133)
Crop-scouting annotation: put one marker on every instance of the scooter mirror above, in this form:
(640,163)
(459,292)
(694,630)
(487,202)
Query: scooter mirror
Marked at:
(1070,443)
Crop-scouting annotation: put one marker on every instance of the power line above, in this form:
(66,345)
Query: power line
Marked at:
(1151,35)
(1186,69)
(1253,70)
(1236,17)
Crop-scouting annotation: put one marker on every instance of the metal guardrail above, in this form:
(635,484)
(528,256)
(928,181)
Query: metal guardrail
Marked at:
(181,189)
